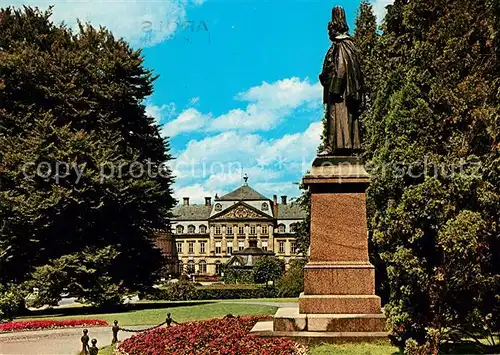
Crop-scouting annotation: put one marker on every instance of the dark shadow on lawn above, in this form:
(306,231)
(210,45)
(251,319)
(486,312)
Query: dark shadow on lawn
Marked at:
(77,311)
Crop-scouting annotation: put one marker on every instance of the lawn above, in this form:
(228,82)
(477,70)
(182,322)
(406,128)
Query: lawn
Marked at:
(180,313)
(327,349)
(355,349)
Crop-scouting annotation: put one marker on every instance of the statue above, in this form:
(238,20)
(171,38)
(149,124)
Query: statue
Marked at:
(115,330)
(85,342)
(94,350)
(342,83)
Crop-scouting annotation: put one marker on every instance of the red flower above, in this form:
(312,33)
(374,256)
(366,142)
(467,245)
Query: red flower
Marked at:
(228,336)
(44,324)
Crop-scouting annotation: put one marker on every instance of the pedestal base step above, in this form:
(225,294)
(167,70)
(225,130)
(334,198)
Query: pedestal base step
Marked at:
(265,329)
(339,304)
(290,320)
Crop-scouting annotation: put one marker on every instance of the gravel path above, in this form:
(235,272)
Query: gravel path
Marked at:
(55,341)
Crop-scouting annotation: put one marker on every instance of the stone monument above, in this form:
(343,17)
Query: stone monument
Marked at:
(339,301)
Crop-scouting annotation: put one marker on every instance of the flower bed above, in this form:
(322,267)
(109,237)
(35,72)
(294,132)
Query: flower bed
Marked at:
(48,324)
(216,336)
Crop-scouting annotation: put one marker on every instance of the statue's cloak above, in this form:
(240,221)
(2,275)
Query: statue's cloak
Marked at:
(347,78)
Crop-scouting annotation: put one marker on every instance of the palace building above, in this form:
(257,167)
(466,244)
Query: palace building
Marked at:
(204,237)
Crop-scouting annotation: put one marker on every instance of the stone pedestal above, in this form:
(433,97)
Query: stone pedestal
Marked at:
(339,300)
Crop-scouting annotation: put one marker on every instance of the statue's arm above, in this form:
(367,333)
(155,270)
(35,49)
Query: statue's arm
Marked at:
(326,74)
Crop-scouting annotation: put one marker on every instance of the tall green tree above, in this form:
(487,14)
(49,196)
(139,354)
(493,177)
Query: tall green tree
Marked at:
(77,99)
(432,140)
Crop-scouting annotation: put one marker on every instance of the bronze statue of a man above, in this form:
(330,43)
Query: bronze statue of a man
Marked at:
(342,83)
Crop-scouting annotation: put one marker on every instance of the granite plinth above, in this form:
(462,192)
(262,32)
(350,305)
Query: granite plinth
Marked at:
(339,304)
(324,278)
(265,329)
(289,319)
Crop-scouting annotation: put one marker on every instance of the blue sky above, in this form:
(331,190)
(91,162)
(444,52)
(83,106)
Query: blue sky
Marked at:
(238,89)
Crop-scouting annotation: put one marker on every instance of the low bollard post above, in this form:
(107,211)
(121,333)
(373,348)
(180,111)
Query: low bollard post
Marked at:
(85,342)
(94,350)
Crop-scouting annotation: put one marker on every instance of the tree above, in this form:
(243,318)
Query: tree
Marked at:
(432,141)
(292,283)
(73,101)
(268,269)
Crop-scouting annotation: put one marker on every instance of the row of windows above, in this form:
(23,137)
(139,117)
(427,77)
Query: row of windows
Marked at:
(202,267)
(230,229)
(241,246)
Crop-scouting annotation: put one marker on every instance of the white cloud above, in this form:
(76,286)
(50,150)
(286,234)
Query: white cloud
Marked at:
(217,163)
(196,193)
(128,19)
(160,113)
(379,8)
(188,121)
(194,100)
(268,105)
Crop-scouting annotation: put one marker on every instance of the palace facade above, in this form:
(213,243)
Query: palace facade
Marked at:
(204,237)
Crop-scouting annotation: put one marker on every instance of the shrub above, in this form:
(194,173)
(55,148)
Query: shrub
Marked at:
(10,302)
(215,336)
(292,283)
(234,275)
(181,291)
(213,292)
(268,269)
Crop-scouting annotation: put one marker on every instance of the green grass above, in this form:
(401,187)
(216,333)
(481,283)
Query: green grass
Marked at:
(108,350)
(355,349)
(185,313)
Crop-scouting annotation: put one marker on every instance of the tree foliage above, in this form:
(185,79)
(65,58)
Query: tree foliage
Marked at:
(76,98)
(292,283)
(432,140)
(268,269)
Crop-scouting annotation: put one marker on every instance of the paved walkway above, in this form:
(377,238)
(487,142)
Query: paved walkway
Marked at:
(56,341)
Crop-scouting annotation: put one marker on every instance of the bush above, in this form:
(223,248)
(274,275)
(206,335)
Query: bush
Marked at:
(236,276)
(181,291)
(213,292)
(216,336)
(268,269)
(226,293)
(10,302)
(292,283)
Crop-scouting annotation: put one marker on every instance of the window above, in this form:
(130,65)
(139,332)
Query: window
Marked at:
(230,248)
(181,267)
(293,228)
(293,247)
(203,229)
(191,248)
(191,229)
(218,247)
(281,244)
(241,245)
(265,206)
(217,230)
(241,230)
(218,267)
(229,230)
(264,246)
(203,247)
(218,207)
(264,230)
(253,230)
(202,267)
(179,248)
(190,267)
(281,228)
(179,229)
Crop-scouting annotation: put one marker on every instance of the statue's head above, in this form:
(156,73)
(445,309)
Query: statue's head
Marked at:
(339,21)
